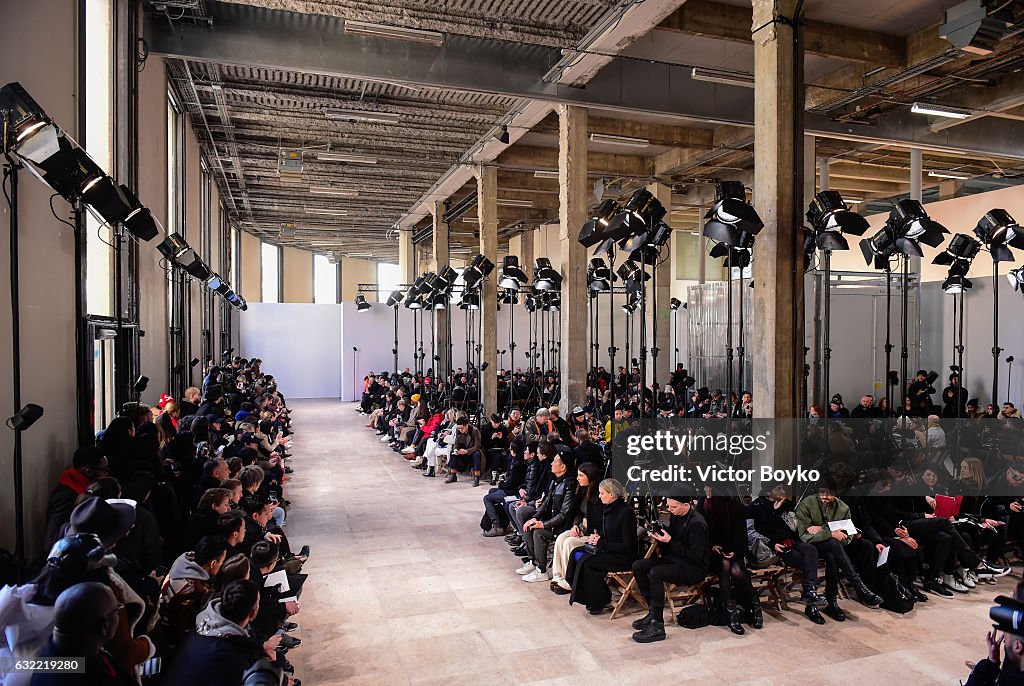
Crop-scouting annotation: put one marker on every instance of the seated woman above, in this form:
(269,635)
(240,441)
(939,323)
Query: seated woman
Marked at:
(612,548)
(439,448)
(727,532)
(588,509)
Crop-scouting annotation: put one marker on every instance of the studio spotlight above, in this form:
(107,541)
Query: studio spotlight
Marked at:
(141,384)
(998,231)
(552,301)
(446,277)
(594,230)
(25,417)
(508,297)
(961,247)
(731,220)
(598,276)
(830,218)
(141,223)
(955,284)
(738,258)
(674,304)
(911,221)
(1016,279)
(470,301)
(395,298)
(193,362)
(361,304)
(545,277)
(512,276)
(198,269)
(879,248)
(640,214)
(476,271)
(25,118)
(114,203)
(632,302)
(173,247)
(439,301)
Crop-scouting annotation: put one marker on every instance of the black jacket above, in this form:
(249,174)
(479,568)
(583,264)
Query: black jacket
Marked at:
(618,531)
(515,476)
(689,546)
(101,670)
(727,523)
(556,510)
(768,520)
(588,451)
(537,486)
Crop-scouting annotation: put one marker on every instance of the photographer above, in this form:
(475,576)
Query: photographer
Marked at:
(920,393)
(1004,664)
(954,398)
(684,560)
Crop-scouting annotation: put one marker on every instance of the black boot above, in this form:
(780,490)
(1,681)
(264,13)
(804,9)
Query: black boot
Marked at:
(756,616)
(833,610)
(865,595)
(429,472)
(643,621)
(813,613)
(451,478)
(734,618)
(810,595)
(655,631)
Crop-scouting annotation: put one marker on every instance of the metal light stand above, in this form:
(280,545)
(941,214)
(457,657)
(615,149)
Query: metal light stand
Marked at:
(728,327)
(739,349)
(611,344)
(654,335)
(1009,374)
(643,338)
(996,350)
(888,336)
(827,335)
(395,349)
(959,349)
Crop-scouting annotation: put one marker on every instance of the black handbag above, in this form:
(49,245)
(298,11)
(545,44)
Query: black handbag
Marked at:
(694,616)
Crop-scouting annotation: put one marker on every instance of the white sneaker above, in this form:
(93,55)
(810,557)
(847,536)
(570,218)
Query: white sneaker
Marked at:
(385,438)
(535,575)
(952,584)
(968,579)
(409,450)
(526,569)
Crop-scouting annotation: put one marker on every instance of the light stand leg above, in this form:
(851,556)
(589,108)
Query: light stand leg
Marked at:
(827,334)
(11,172)
(728,330)
(739,349)
(996,350)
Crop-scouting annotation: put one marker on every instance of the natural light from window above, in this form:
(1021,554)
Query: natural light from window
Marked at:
(325,281)
(271,261)
(389,278)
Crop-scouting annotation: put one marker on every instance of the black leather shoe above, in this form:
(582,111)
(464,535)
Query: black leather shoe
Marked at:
(835,612)
(429,472)
(520,550)
(867,597)
(734,620)
(476,481)
(304,552)
(452,478)
(917,595)
(655,631)
(644,621)
(290,641)
(756,616)
(814,614)
(290,626)
(595,610)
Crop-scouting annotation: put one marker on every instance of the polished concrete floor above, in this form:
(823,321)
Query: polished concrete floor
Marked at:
(404,590)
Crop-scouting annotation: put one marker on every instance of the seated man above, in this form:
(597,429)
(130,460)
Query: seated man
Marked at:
(813,515)
(188,586)
(685,557)
(538,476)
(554,515)
(494,438)
(511,485)
(85,620)
(465,448)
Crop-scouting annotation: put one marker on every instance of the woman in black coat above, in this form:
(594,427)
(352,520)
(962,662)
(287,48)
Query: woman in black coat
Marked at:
(727,531)
(612,549)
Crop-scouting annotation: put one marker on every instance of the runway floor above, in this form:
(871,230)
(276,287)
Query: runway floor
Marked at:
(404,590)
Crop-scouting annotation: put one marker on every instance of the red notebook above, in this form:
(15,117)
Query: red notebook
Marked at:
(947,506)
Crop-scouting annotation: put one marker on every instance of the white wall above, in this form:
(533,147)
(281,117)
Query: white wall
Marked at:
(298,344)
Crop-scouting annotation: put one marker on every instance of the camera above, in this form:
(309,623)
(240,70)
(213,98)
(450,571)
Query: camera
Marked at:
(656,527)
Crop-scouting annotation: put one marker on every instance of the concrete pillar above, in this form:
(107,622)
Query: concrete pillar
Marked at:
(916,170)
(572,213)
(662,283)
(441,256)
(823,174)
(526,250)
(809,167)
(406,260)
(777,344)
(949,189)
(487,208)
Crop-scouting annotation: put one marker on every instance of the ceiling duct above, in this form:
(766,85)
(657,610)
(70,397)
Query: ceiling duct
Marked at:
(977,26)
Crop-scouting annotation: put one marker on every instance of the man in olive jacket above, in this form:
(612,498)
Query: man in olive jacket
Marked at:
(812,516)
(466,447)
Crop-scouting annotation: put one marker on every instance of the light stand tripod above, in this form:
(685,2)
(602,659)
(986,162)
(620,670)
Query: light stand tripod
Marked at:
(1009,373)
(996,350)
(394,350)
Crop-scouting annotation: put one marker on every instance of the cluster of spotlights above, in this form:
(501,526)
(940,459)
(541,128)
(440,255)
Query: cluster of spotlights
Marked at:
(59,162)
(907,227)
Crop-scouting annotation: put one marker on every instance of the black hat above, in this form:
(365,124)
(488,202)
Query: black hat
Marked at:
(249,437)
(837,399)
(681,498)
(108,520)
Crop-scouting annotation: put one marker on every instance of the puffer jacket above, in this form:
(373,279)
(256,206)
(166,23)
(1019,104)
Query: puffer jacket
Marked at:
(556,511)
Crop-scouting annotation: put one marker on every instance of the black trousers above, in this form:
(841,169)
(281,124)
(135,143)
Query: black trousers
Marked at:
(837,564)
(653,573)
(803,556)
(733,580)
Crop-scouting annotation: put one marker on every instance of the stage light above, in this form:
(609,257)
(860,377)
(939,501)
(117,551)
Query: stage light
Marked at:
(830,218)
(955,284)
(961,247)
(739,258)
(361,304)
(731,220)
(646,254)
(909,219)
(214,282)
(508,297)
(476,271)
(141,223)
(25,417)
(552,301)
(173,247)
(674,304)
(593,231)
(640,214)
(233,298)
(512,276)
(531,303)
(598,276)
(998,231)
(198,269)
(25,118)
(395,298)
(141,383)
(632,302)
(545,277)
(439,301)
(446,277)
(1016,278)
(470,301)
(114,203)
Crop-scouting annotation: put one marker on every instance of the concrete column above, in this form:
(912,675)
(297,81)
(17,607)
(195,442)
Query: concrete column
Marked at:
(526,250)
(949,189)
(662,283)
(440,258)
(406,263)
(809,167)
(916,171)
(572,213)
(777,344)
(487,208)
(823,174)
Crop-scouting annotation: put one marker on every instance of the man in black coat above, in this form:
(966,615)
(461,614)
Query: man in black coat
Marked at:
(685,556)
(221,649)
(553,516)
(515,479)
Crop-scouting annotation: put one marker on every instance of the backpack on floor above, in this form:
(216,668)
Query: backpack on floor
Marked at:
(895,597)
(694,616)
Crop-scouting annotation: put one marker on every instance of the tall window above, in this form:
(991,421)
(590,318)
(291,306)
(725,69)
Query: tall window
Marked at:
(236,267)
(325,281)
(271,259)
(389,278)
(99,102)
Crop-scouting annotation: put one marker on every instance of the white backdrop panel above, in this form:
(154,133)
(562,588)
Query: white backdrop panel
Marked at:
(298,343)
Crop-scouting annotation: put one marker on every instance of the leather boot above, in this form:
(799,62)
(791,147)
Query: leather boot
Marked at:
(865,595)
(655,631)
(734,618)
(810,595)
(452,478)
(833,610)
(429,472)
(756,616)
(813,614)
(643,621)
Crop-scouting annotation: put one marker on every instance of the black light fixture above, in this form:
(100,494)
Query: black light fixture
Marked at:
(447,276)
(197,269)
(470,301)
(599,277)
(503,136)
(959,254)
(640,214)
(552,301)
(545,276)
(218,284)
(512,275)
(830,218)
(193,362)
(361,304)
(998,231)
(25,118)
(632,302)
(141,384)
(956,284)
(25,417)
(114,203)
(439,301)
(141,223)
(731,220)
(508,297)
(911,221)
(476,271)
(173,246)
(414,298)
(594,230)
(1016,279)
(395,298)
(674,304)
(738,258)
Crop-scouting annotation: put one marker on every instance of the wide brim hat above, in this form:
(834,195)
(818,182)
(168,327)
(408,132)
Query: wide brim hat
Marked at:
(110,520)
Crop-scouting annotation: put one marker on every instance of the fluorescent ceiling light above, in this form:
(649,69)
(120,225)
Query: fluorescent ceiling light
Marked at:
(619,140)
(325,211)
(948,175)
(729,78)
(940,110)
(470,220)
(331,190)
(345,157)
(362,115)
(544,174)
(363,28)
(510,202)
